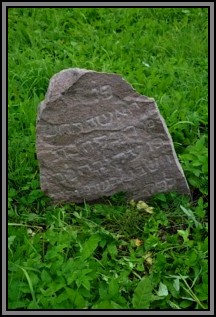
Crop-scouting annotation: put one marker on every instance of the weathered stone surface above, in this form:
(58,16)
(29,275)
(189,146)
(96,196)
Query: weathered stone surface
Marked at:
(96,136)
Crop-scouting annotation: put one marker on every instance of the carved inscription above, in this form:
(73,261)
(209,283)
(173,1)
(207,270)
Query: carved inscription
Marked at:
(93,95)
(99,137)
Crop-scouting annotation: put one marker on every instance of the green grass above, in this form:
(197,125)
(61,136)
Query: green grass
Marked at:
(110,254)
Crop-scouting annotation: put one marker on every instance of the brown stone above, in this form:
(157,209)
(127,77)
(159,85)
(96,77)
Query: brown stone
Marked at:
(96,136)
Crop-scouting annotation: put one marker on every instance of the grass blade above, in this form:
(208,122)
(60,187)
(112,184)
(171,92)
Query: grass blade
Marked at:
(30,286)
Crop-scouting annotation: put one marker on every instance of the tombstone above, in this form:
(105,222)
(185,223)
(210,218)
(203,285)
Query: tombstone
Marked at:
(96,136)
